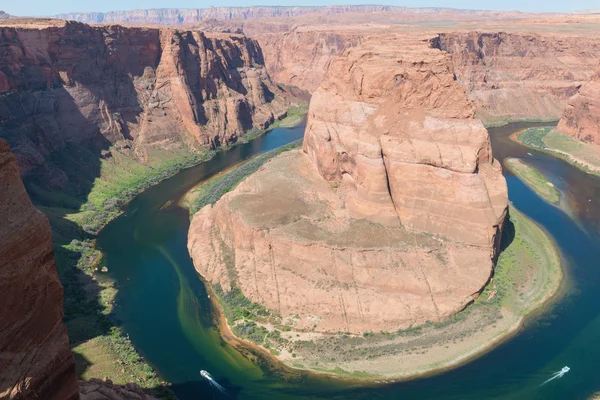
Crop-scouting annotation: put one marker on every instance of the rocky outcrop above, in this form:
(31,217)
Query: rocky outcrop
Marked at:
(142,89)
(96,389)
(581,117)
(175,16)
(390,217)
(519,75)
(35,359)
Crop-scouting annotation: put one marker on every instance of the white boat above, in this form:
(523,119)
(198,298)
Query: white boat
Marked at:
(206,375)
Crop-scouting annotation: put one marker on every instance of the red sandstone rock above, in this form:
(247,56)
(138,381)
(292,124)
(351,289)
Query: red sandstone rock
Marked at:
(35,360)
(581,117)
(391,218)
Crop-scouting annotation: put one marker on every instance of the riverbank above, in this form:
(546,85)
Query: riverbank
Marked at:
(528,273)
(101,349)
(534,179)
(584,156)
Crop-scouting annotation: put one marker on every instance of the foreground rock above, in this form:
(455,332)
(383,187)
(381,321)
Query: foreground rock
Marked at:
(391,216)
(581,117)
(35,360)
(143,90)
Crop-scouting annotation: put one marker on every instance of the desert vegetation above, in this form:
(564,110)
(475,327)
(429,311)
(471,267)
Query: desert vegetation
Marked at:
(584,156)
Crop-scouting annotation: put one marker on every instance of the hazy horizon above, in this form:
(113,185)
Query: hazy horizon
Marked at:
(45,8)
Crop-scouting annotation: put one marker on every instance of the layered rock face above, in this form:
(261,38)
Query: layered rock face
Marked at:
(518,75)
(302,57)
(140,88)
(581,117)
(175,16)
(35,358)
(389,217)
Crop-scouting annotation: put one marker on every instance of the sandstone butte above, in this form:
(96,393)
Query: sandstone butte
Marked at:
(141,89)
(581,117)
(391,214)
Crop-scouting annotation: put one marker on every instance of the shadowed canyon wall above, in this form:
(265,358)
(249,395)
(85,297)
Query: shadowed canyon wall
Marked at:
(581,117)
(139,89)
(390,217)
(35,359)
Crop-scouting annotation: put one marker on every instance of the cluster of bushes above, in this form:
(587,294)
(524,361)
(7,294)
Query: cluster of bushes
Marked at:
(534,137)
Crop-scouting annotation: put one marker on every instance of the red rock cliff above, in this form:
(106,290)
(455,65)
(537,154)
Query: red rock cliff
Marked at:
(519,75)
(147,88)
(581,117)
(35,359)
(302,57)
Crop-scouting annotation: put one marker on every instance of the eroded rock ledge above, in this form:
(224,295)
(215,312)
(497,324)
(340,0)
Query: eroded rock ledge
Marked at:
(390,217)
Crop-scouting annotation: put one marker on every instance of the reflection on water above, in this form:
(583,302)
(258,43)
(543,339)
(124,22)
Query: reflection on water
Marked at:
(164,307)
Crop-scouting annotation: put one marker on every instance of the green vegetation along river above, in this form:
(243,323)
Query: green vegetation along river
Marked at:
(163,305)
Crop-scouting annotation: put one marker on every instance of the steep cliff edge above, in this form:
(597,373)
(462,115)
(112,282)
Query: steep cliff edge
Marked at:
(35,359)
(581,117)
(390,217)
(514,76)
(142,90)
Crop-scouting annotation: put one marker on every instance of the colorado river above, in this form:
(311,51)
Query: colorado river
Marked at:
(162,304)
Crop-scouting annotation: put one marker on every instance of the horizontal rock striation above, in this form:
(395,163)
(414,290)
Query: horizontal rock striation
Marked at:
(174,16)
(390,216)
(141,88)
(35,359)
(581,117)
(519,75)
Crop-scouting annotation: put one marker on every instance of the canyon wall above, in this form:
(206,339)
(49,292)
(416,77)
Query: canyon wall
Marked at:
(140,89)
(302,57)
(581,117)
(35,359)
(390,216)
(514,76)
(174,16)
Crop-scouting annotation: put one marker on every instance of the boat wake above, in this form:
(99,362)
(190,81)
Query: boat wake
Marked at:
(212,381)
(557,375)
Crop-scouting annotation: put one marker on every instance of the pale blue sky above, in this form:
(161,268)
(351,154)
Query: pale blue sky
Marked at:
(50,7)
